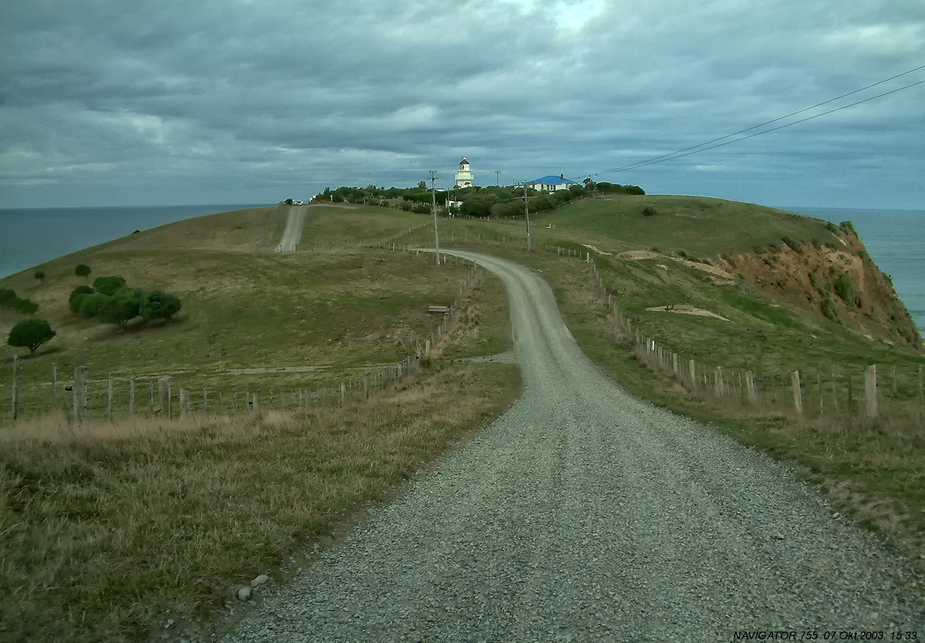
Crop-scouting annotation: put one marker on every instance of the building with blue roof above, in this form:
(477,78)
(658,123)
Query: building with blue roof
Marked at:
(552,183)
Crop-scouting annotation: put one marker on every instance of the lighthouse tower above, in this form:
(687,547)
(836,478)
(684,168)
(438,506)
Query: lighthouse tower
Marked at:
(464,174)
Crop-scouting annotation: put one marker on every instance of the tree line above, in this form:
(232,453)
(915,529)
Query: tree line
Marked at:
(491,201)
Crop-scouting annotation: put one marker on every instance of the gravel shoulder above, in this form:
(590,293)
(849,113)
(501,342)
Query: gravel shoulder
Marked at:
(586,514)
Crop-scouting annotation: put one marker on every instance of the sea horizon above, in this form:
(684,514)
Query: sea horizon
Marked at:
(31,236)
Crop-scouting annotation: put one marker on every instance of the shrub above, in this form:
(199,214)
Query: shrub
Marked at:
(847,225)
(8,299)
(649,211)
(25,306)
(30,333)
(793,243)
(829,309)
(77,296)
(91,304)
(159,305)
(108,285)
(40,275)
(831,227)
(420,208)
(120,308)
(82,270)
(844,288)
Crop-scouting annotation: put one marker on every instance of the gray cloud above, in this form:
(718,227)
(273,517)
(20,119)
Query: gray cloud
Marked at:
(207,101)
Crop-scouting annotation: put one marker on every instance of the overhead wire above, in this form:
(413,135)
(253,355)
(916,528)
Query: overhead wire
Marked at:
(708,145)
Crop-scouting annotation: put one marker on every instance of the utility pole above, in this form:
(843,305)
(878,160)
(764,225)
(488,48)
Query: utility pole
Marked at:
(433,195)
(527,215)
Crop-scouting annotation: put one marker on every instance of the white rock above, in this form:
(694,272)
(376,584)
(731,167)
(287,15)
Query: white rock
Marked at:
(260,580)
(244,594)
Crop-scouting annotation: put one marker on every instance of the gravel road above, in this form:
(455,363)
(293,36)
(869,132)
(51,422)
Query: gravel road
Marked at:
(292,235)
(585,514)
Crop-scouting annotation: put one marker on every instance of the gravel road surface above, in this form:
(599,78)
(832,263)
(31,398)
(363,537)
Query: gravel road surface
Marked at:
(585,514)
(292,235)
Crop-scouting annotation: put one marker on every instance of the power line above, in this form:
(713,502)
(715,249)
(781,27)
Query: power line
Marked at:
(703,147)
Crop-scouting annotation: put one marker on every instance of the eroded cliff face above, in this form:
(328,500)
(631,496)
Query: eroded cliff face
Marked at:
(841,283)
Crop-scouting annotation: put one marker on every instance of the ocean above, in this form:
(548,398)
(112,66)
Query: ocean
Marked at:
(895,239)
(30,236)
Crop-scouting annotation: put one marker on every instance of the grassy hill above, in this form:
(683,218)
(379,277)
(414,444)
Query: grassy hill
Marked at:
(94,519)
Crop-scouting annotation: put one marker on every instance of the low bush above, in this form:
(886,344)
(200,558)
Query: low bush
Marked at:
(108,285)
(159,305)
(844,288)
(77,296)
(793,244)
(829,309)
(91,304)
(649,211)
(8,299)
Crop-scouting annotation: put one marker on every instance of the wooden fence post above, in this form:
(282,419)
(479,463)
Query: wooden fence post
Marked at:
(131,397)
(718,381)
(151,388)
(850,396)
(184,401)
(797,392)
(110,397)
(256,402)
(205,400)
(834,395)
(80,394)
(15,387)
(870,391)
(692,367)
(54,386)
(750,385)
(163,390)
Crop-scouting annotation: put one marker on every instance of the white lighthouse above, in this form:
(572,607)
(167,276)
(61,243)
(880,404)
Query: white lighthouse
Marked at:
(464,174)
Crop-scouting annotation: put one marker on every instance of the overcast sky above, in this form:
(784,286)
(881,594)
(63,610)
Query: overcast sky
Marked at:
(233,101)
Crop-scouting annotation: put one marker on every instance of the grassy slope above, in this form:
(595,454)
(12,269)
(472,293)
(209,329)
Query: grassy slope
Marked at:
(104,527)
(876,471)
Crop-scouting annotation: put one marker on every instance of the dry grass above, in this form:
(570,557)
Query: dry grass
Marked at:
(874,470)
(105,527)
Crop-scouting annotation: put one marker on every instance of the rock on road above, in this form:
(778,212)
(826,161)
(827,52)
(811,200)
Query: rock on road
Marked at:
(585,514)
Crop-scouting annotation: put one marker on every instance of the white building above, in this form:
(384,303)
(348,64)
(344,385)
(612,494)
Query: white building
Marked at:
(464,174)
(551,183)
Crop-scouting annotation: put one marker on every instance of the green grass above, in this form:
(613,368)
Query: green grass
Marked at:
(94,521)
(105,526)
(697,225)
(338,309)
(873,469)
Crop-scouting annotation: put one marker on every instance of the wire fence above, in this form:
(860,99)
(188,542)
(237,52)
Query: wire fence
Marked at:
(84,395)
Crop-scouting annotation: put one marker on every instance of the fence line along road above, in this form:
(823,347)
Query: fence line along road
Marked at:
(586,514)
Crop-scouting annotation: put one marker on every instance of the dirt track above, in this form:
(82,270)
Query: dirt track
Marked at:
(585,514)
(292,235)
